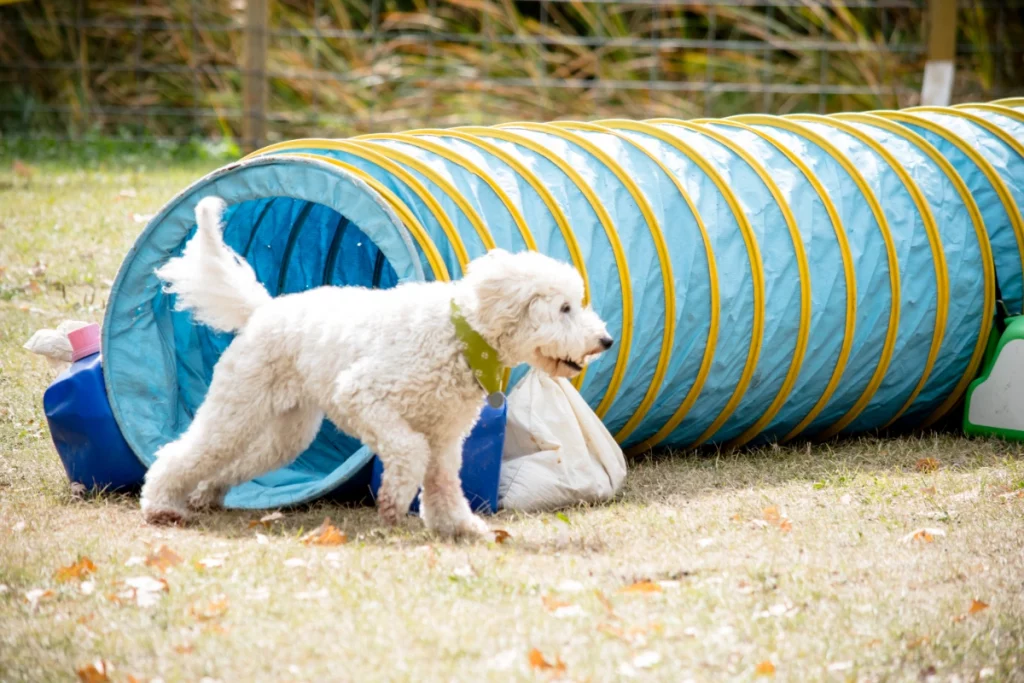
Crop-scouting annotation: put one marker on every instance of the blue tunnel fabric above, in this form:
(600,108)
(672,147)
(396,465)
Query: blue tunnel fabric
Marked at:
(766,278)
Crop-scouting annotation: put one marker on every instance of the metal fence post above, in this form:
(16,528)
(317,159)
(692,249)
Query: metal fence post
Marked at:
(254,82)
(937,88)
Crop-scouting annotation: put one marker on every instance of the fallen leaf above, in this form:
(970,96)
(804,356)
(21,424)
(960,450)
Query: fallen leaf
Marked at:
(500,536)
(97,671)
(930,491)
(567,612)
(645,660)
(644,586)
(917,642)
(765,668)
(537,661)
(20,168)
(463,572)
(35,595)
(144,591)
(775,518)
(86,618)
(977,606)
(551,604)
(163,559)
(325,534)
(605,601)
(212,610)
(267,520)
(210,562)
(958,618)
(923,535)
(76,571)
(184,649)
(926,465)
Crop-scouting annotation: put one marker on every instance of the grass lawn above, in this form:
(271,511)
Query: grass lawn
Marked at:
(798,563)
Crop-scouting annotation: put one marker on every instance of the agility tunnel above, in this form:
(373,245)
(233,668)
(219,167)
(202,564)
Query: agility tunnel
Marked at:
(766,278)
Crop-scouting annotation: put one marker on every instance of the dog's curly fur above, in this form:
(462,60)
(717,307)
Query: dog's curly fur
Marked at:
(383,365)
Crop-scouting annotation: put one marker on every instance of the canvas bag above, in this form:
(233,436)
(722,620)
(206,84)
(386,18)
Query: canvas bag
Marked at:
(557,451)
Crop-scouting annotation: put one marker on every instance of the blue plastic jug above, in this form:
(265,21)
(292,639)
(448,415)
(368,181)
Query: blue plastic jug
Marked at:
(481,460)
(87,438)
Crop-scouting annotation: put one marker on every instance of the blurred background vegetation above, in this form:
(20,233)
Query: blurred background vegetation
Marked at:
(173,69)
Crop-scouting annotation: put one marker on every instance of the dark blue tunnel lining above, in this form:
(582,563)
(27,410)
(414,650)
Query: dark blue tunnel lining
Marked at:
(289,248)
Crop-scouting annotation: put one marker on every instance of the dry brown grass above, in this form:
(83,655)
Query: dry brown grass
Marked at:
(795,560)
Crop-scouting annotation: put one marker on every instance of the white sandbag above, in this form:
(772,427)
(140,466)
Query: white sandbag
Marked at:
(54,344)
(557,451)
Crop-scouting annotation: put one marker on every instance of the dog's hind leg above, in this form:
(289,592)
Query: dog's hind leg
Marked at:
(445,509)
(274,445)
(207,460)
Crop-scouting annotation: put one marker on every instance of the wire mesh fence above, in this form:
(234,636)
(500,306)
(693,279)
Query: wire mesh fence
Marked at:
(177,68)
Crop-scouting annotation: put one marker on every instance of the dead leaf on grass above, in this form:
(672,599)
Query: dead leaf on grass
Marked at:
(214,609)
(926,465)
(551,604)
(96,671)
(644,586)
(325,534)
(923,535)
(765,668)
(20,168)
(917,642)
(539,662)
(163,558)
(210,563)
(500,536)
(266,520)
(977,606)
(184,649)
(76,570)
(144,591)
(36,595)
(605,602)
(775,518)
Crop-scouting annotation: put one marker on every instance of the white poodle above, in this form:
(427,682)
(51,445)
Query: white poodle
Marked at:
(385,366)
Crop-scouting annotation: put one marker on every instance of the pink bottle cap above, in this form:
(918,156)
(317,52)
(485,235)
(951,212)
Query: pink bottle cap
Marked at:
(85,341)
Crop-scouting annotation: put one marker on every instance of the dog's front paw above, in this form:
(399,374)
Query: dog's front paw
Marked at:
(468,527)
(164,515)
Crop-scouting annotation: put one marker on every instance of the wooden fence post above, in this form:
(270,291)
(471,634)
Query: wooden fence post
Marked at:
(937,88)
(254,81)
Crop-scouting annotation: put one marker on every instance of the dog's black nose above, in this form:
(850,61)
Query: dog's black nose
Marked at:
(607,342)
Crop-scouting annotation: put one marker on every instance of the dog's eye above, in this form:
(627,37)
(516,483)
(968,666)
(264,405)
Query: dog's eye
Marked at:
(566,308)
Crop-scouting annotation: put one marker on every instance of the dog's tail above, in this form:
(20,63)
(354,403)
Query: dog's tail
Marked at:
(213,282)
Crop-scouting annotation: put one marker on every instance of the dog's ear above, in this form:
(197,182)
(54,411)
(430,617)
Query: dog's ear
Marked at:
(504,289)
